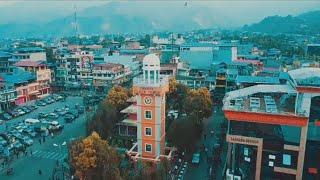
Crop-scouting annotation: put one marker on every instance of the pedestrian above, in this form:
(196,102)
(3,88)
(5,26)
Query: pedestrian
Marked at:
(52,134)
(204,136)
(40,140)
(31,152)
(40,172)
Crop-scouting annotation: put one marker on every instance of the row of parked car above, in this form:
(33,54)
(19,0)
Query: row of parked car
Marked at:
(22,110)
(65,112)
(49,100)
(18,111)
(16,138)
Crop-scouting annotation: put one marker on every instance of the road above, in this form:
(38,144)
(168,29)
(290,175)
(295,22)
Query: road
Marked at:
(201,171)
(44,156)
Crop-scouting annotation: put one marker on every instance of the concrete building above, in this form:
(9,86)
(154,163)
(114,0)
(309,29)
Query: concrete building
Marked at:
(42,73)
(273,130)
(128,126)
(174,68)
(150,92)
(204,55)
(107,75)
(128,61)
(8,95)
(5,64)
(313,50)
(24,83)
(29,54)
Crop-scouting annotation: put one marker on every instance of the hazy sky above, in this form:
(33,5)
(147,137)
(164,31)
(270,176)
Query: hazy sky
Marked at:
(242,12)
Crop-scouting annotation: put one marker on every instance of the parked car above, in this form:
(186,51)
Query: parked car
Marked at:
(30,121)
(21,112)
(42,115)
(25,109)
(26,140)
(74,113)
(69,118)
(53,115)
(196,158)
(40,129)
(18,145)
(41,103)
(13,113)
(28,131)
(7,116)
(55,126)
(80,109)
(3,142)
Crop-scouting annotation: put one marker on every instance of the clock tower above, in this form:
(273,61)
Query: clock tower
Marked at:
(150,90)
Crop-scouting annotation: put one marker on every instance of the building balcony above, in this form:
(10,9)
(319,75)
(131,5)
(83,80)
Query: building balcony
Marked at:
(141,82)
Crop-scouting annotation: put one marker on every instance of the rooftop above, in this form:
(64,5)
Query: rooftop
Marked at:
(257,79)
(108,66)
(30,49)
(306,76)
(4,54)
(19,76)
(30,64)
(132,109)
(274,99)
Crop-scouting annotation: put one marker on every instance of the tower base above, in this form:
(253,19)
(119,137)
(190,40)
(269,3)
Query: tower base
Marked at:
(135,156)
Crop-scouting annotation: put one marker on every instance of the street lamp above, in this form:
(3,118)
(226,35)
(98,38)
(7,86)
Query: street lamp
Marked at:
(60,172)
(59,145)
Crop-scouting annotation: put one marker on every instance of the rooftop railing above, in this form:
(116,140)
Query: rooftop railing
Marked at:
(161,81)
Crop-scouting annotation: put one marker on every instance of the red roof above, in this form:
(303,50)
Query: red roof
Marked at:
(30,64)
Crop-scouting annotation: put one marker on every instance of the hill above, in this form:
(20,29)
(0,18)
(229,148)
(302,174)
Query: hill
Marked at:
(306,23)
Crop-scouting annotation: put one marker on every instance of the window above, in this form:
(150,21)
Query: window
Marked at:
(148,115)
(148,131)
(286,159)
(148,147)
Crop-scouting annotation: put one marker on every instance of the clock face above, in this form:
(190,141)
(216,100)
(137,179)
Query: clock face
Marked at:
(147,100)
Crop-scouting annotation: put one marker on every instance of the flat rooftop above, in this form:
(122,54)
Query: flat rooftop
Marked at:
(273,99)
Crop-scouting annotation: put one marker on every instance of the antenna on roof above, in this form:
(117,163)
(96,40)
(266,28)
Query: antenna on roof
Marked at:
(76,26)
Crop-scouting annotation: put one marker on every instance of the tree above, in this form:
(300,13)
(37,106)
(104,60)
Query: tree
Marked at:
(176,97)
(150,171)
(199,103)
(103,120)
(93,158)
(118,97)
(177,133)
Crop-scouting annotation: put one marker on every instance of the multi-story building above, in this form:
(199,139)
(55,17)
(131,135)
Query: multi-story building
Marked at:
(128,61)
(273,130)
(83,70)
(43,75)
(4,62)
(209,54)
(175,68)
(128,126)
(29,54)
(8,95)
(108,74)
(24,83)
(150,92)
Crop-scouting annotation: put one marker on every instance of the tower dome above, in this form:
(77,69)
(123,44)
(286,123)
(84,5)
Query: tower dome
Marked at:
(151,68)
(151,59)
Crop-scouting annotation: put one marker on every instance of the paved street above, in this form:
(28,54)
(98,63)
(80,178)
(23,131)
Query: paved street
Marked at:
(44,156)
(201,171)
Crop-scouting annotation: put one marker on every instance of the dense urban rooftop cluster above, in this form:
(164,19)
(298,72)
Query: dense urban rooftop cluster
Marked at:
(257,87)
